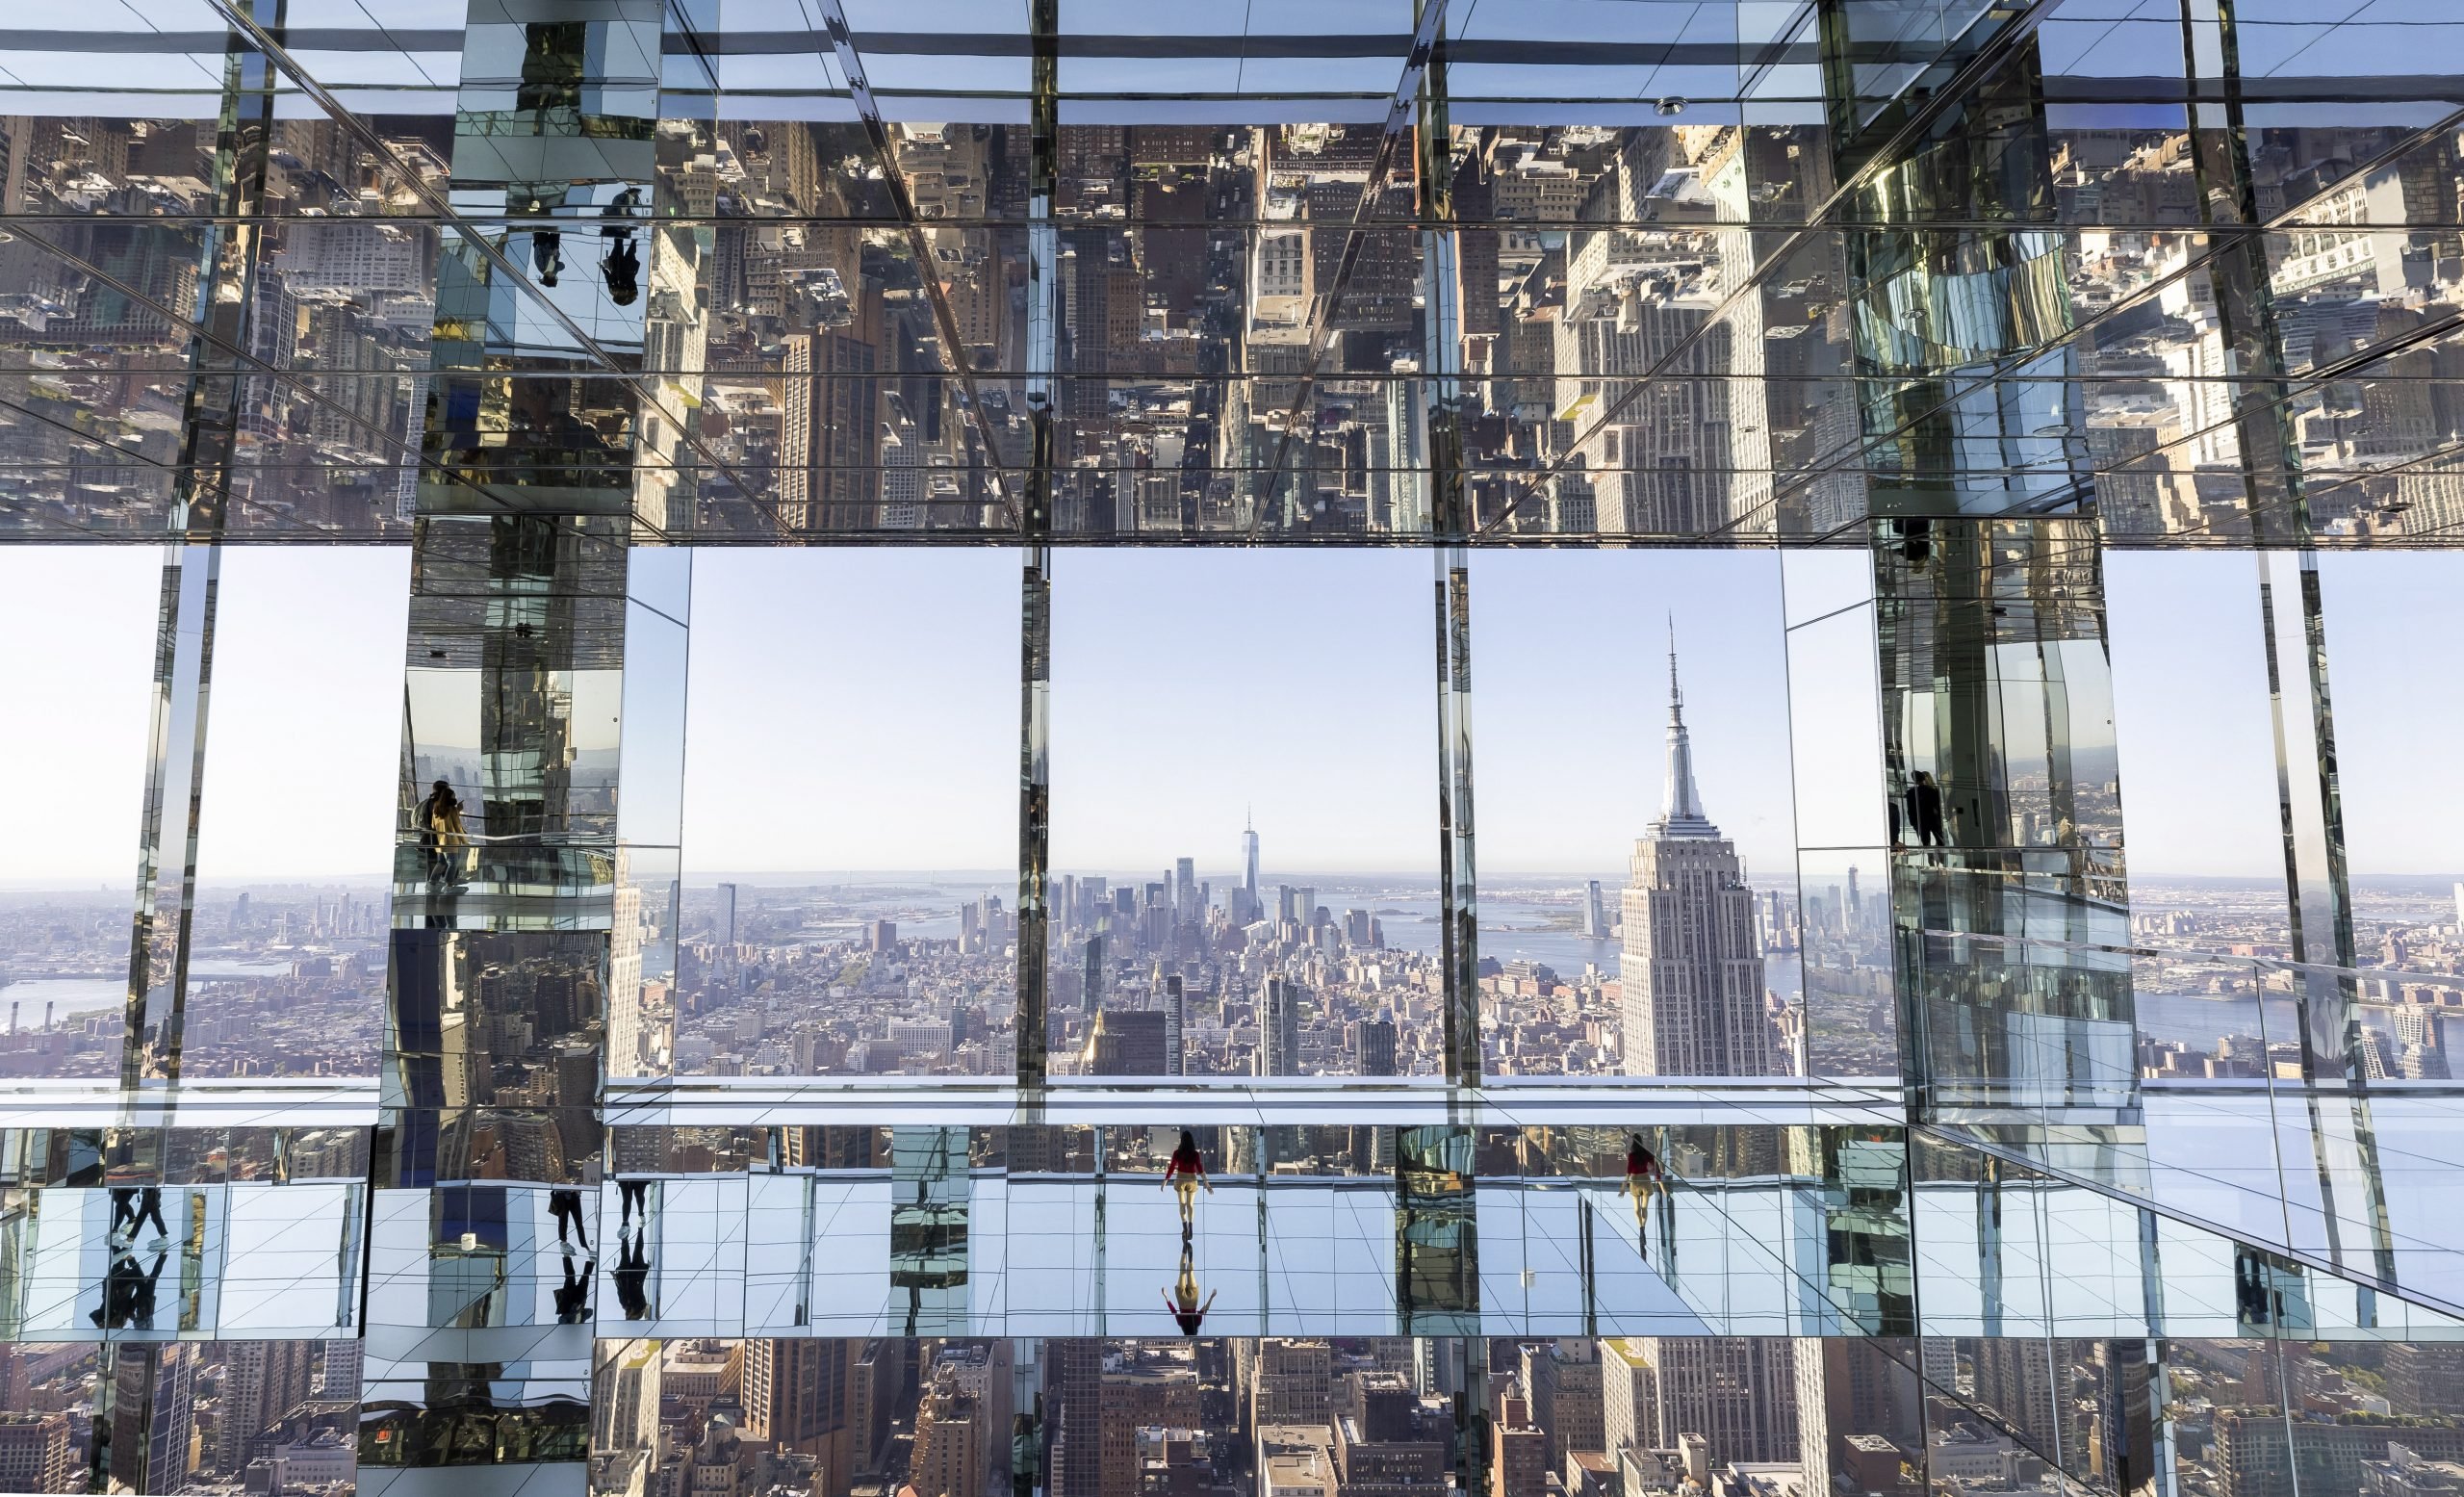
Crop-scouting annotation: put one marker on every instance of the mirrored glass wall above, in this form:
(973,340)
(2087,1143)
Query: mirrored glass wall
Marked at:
(1551,749)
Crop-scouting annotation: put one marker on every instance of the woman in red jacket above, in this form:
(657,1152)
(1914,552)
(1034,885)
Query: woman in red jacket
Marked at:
(1643,1177)
(1187,1172)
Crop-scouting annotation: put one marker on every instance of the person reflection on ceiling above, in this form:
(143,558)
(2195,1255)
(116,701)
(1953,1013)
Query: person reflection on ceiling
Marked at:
(621,267)
(128,1294)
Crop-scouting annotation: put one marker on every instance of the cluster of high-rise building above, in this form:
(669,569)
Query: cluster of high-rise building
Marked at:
(1570,1417)
(287,981)
(1175,976)
(203,1419)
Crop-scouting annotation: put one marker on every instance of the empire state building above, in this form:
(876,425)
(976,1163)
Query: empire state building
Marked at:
(1691,970)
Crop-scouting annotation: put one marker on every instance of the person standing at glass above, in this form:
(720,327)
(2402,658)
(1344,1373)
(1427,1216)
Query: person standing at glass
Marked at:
(442,836)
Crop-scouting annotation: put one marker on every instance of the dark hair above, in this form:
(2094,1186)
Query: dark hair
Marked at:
(1189,1141)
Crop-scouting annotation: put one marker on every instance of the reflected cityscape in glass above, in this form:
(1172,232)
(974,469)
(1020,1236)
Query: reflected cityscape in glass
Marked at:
(772,667)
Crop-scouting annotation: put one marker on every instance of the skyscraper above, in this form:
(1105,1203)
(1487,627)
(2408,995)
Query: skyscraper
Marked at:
(797,1395)
(1692,975)
(262,1380)
(1176,1016)
(830,472)
(1738,1392)
(34,1453)
(153,1418)
(950,1431)
(1279,1028)
(1130,1043)
(1373,1042)
(1249,867)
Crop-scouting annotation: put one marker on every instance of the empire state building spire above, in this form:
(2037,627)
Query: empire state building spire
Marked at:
(1681,804)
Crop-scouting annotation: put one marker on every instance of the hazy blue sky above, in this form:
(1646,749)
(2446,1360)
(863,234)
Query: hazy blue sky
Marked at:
(1191,685)
(857,708)
(2395,676)
(304,743)
(80,625)
(853,709)
(2198,746)
(304,732)
(2194,734)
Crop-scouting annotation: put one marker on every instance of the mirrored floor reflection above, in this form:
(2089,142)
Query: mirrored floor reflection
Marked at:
(170,1262)
(825,1255)
(2364,1185)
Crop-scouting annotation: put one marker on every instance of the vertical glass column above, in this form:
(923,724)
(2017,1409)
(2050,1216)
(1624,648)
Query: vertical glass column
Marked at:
(1034,817)
(930,1187)
(1853,1240)
(1458,882)
(1970,398)
(1450,518)
(1032,1018)
(2010,912)
(528,897)
(2338,1061)
(2319,894)
(2238,333)
(1437,1266)
(2006,856)
(211,407)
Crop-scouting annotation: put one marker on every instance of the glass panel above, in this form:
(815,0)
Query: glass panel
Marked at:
(295,840)
(862,921)
(1849,1024)
(2198,759)
(1606,727)
(2395,702)
(70,871)
(1308,949)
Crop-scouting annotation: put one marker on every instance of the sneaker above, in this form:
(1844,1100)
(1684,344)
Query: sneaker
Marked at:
(158,1245)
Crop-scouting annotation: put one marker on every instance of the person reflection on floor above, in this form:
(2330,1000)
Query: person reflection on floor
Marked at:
(2251,1292)
(1186,1173)
(1182,1298)
(1644,1178)
(573,1301)
(632,1273)
(128,1294)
